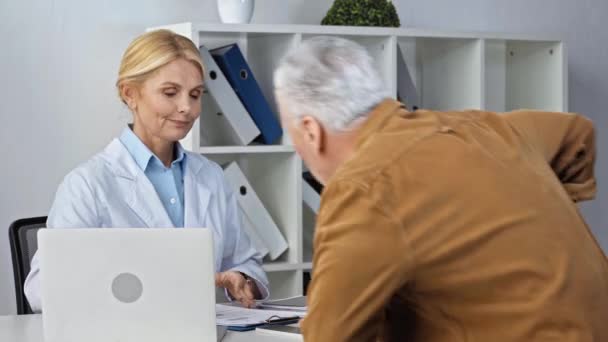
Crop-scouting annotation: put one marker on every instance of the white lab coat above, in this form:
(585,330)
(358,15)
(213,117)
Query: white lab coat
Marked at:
(110,190)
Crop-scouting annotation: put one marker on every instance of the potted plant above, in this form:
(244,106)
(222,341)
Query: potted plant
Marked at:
(362,13)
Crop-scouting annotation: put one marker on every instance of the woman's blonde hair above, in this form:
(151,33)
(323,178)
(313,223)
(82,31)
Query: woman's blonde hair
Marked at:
(151,51)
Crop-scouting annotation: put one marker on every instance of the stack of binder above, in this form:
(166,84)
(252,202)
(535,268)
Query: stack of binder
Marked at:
(224,120)
(230,59)
(235,111)
(257,222)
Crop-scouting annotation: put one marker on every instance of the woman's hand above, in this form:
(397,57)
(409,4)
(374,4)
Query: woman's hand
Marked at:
(241,288)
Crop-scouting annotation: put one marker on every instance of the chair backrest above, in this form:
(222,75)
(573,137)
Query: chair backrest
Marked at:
(24,243)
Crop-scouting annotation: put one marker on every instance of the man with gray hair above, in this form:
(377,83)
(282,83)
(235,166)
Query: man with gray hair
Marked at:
(440,226)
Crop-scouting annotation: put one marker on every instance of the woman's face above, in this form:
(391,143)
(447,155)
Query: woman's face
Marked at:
(166,104)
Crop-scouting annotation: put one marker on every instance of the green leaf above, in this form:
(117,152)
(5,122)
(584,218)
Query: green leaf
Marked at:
(362,13)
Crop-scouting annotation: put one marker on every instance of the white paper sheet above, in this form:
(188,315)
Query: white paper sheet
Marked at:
(296,303)
(233,315)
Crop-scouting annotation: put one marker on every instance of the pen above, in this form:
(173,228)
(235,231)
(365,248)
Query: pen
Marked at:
(282,320)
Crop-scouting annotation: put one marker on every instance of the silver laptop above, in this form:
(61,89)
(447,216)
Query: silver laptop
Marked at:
(125,285)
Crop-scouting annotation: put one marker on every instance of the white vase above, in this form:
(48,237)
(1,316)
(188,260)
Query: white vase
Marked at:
(235,11)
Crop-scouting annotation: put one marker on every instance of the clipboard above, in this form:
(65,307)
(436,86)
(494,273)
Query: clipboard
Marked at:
(236,318)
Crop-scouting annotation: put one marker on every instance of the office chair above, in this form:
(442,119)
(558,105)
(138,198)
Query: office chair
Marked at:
(23,239)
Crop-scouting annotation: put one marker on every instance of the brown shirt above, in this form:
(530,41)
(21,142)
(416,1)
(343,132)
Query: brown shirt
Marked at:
(460,226)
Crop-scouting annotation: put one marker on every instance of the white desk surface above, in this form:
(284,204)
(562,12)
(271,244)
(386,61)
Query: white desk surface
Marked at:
(28,328)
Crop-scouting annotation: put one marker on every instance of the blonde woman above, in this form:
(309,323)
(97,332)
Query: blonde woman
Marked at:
(144,178)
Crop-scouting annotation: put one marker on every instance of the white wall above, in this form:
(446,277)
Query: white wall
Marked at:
(59,59)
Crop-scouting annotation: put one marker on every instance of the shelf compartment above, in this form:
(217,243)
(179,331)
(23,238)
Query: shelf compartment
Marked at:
(447,72)
(524,75)
(274,178)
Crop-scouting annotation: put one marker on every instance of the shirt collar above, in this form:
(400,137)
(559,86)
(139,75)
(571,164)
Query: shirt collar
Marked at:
(179,153)
(142,154)
(378,117)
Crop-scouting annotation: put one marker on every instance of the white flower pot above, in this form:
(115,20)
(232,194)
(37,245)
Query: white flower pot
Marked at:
(235,11)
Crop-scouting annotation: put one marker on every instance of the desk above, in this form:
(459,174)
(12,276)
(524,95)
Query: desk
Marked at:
(28,328)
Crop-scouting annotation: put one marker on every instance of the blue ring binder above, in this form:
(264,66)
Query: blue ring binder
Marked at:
(236,70)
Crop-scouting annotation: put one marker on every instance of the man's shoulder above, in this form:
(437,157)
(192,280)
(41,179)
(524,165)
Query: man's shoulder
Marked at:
(384,153)
(411,149)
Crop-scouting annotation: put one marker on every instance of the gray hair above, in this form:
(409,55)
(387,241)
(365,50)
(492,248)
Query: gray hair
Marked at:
(330,78)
